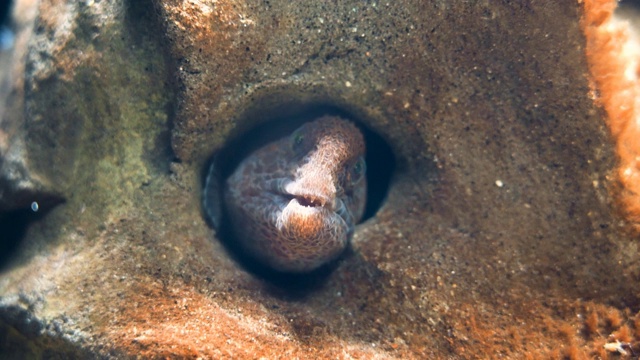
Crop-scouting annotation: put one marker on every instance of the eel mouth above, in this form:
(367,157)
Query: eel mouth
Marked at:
(311,201)
(309,197)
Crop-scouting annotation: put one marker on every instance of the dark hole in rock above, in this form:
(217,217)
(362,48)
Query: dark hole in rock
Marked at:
(380,167)
(5,10)
(14,223)
(13,226)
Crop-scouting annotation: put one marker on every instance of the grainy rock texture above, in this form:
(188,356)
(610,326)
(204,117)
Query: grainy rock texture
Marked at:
(497,236)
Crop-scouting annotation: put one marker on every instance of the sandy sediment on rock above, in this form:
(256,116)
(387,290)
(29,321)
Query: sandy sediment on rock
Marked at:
(497,237)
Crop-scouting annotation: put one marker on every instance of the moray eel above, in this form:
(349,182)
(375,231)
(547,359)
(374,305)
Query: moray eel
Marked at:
(293,204)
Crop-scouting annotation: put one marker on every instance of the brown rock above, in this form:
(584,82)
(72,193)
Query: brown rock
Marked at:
(497,236)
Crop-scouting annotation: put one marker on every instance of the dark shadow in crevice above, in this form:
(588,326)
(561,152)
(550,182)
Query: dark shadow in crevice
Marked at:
(258,132)
(5,12)
(13,226)
(14,223)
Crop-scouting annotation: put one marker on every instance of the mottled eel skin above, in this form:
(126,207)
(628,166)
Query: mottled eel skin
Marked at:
(293,204)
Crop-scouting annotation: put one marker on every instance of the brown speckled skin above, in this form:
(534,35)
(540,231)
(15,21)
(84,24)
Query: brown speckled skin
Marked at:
(294,203)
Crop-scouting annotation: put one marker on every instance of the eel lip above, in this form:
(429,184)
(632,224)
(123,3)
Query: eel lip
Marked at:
(312,201)
(308,196)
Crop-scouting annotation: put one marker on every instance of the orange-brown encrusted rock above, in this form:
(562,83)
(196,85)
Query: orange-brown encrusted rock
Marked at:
(499,233)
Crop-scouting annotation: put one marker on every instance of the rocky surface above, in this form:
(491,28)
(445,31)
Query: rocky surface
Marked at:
(497,237)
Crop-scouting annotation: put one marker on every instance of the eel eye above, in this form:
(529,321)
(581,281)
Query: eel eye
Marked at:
(296,140)
(358,170)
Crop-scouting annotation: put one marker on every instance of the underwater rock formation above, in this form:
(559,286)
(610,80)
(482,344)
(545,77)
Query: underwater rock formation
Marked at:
(498,226)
